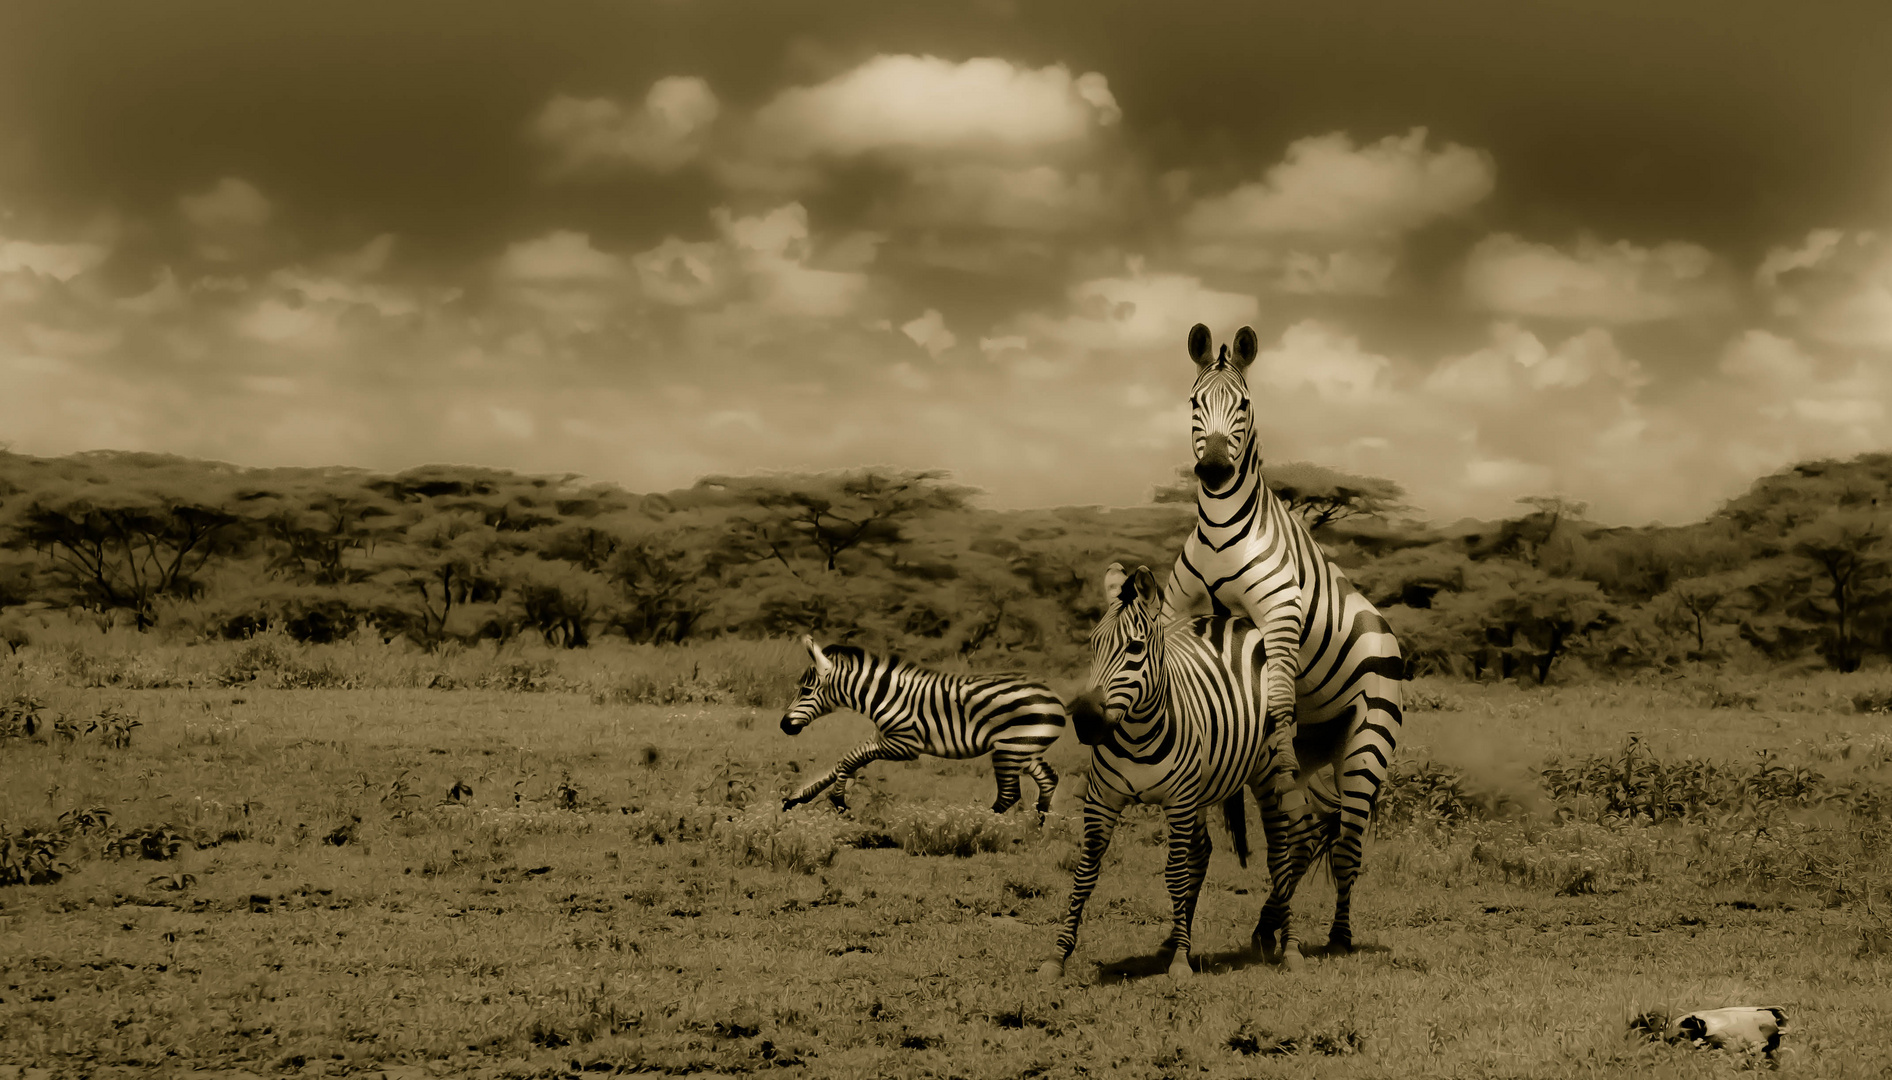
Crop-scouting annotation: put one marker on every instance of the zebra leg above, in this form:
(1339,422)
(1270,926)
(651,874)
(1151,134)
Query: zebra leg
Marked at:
(1100,821)
(844,771)
(1183,873)
(1047,782)
(1287,825)
(1200,848)
(1362,772)
(1005,766)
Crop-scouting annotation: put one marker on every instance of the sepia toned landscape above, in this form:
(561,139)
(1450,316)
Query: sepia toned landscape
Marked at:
(471,475)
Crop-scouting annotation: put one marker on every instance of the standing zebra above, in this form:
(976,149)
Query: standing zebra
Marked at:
(928,712)
(1334,667)
(1183,724)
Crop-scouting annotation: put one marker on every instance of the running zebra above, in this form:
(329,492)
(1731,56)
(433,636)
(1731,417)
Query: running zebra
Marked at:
(1334,667)
(1176,716)
(928,712)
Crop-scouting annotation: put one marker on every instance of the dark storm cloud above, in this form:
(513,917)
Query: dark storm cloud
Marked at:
(648,240)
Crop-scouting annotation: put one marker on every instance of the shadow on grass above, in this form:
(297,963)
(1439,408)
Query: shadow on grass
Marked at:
(1133,968)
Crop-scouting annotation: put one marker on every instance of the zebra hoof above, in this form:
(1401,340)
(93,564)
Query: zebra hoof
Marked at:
(839,803)
(1051,970)
(1261,946)
(1291,957)
(1340,946)
(1179,969)
(789,804)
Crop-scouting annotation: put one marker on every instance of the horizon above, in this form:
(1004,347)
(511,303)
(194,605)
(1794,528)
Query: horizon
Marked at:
(1646,269)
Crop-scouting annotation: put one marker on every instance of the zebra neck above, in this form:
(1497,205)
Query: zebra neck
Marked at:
(1221,513)
(1147,738)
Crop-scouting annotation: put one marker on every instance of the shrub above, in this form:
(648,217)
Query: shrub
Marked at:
(960,831)
(792,842)
(31,856)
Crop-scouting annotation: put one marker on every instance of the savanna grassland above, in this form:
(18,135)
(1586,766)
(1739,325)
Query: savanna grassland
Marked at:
(486,865)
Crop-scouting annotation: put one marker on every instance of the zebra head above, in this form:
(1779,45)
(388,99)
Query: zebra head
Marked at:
(814,694)
(1219,405)
(1126,654)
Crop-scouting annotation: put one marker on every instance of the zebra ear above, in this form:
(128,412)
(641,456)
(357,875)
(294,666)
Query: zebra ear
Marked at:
(815,655)
(1201,346)
(1246,348)
(1113,584)
(1145,584)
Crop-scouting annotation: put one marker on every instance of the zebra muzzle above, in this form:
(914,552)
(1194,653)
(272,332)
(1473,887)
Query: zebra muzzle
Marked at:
(790,727)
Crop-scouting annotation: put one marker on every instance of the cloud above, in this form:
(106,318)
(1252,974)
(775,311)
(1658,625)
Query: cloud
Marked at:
(927,105)
(1141,311)
(1031,198)
(228,218)
(1328,361)
(560,255)
(1363,272)
(665,133)
(165,295)
(929,332)
(1326,186)
(682,273)
(774,250)
(61,262)
(1836,287)
(1615,284)
(569,283)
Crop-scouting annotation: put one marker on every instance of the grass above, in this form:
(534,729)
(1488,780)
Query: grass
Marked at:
(541,880)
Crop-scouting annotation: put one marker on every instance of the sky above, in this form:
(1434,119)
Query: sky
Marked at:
(1635,254)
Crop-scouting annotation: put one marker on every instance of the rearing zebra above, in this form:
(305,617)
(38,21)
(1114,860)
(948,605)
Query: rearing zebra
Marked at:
(1334,667)
(928,712)
(1175,716)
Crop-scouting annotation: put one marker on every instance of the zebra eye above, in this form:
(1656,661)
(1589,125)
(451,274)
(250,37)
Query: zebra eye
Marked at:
(1133,648)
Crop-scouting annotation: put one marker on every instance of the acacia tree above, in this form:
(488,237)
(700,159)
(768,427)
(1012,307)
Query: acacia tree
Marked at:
(1845,558)
(791,518)
(123,546)
(320,531)
(442,566)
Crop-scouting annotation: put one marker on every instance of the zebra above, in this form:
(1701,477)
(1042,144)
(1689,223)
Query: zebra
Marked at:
(918,711)
(1334,666)
(1175,716)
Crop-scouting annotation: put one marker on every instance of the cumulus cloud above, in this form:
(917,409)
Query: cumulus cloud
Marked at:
(1327,186)
(228,218)
(1031,198)
(1140,311)
(574,286)
(560,255)
(1601,283)
(1363,272)
(929,332)
(929,105)
(1836,286)
(61,262)
(1324,359)
(680,272)
(774,252)
(667,131)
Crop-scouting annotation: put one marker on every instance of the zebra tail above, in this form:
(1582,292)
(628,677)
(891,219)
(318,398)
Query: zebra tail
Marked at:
(1326,809)
(1235,816)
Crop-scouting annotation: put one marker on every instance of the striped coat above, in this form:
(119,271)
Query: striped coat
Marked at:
(917,711)
(1334,666)
(1174,717)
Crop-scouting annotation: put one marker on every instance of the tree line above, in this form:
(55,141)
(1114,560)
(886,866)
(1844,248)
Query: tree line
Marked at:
(1797,569)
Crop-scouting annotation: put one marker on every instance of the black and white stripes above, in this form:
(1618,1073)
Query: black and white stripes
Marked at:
(1334,667)
(918,711)
(1176,717)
